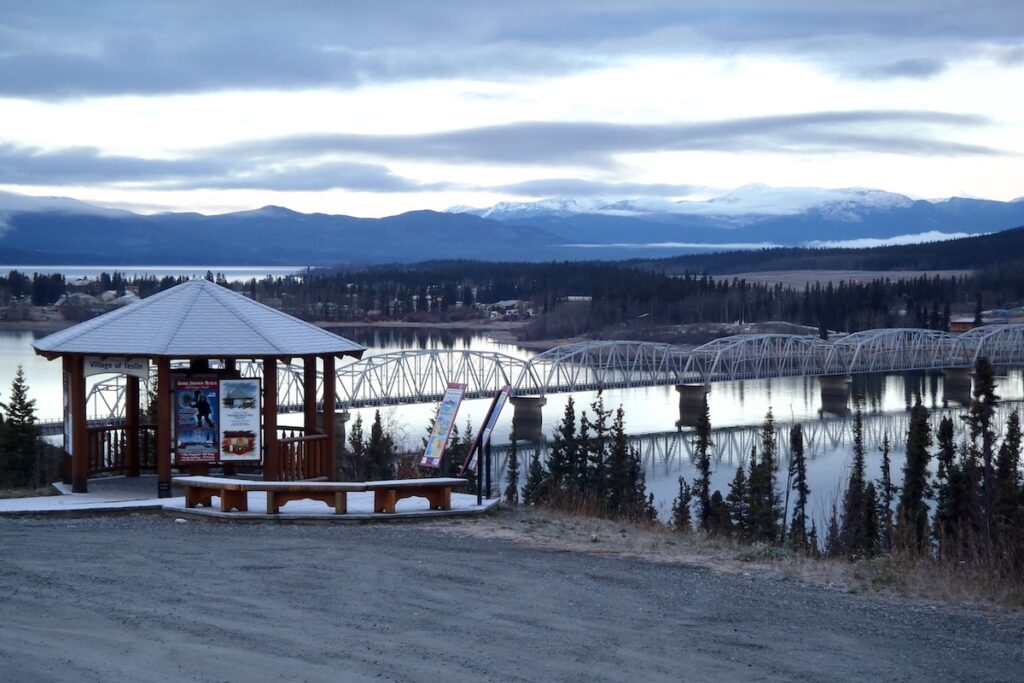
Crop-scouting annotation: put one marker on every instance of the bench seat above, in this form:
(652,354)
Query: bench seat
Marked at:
(199,490)
(438,491)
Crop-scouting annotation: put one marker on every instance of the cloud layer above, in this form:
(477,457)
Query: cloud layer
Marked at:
(72,49)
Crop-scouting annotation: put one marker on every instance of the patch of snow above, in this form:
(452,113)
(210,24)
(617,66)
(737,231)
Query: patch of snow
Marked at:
(868,242)
(726,246)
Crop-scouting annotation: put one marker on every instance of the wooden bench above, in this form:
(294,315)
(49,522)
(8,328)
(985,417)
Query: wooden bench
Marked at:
(438,491)
(233,493)
(334,493)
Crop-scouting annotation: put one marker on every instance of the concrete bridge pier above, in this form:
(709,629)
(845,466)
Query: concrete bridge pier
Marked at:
(835,394)
(528,418)
(691,403)
(956,385)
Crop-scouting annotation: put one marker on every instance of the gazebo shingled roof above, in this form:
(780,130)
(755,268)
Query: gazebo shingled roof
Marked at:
(196,319)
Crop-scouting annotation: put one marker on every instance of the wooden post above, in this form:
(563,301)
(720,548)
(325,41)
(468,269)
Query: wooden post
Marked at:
(309,393)
(131,426)
(69,437)
(163,427)
(79,430)
(329,401)
(271,463)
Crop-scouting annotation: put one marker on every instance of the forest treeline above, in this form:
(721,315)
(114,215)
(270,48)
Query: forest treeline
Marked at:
(966,253)
(961,504)
(599,298)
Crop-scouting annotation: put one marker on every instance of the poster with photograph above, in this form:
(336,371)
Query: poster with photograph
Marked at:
(443,424)
(195,420)
(239,419)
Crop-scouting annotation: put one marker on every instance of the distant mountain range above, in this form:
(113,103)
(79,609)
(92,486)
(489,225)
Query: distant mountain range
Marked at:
(48,231)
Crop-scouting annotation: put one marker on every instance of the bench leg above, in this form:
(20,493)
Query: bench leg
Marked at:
(233,499)
(439,498)
(196,496)
(384,500)
(341,503)
(273,505)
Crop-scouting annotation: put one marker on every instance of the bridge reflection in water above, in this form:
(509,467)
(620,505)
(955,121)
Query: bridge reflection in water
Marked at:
(827,446)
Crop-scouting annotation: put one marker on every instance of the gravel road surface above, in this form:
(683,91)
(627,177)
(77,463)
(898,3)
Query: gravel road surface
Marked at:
(145,599)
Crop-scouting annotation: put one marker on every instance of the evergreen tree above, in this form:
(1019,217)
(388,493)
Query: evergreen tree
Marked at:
(533,492)
(621,477)
(721,523)
(512,475)
(1007,478)
(738,500)
(886,492)
(379,452)
(702,484)
(798,476)
(357,450)
(980,423)
(869,522)
(946,474)
(19,436)
(856,539)
(912,511)
(563,456)
(763,501)
(681,508)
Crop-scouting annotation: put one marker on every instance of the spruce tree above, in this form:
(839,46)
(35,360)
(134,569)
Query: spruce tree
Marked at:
(681,508)
(533,492)
(19,436)
(886,491)
(798,475)
(512,475)
(763,501)
(946,474)
(702,484)
(912,511)
(563,456)
(380,451)
(721,523)
(853,536)
(621,477)
(738,500)
(980,423)
(357,450)
(1007,480)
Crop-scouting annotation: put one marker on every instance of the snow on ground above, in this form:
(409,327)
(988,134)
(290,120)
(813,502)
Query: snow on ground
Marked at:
(358,504)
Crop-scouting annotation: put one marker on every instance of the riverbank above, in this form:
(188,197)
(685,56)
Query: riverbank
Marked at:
(317,603)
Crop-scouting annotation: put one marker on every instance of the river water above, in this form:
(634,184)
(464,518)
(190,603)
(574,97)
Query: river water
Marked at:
(737,410)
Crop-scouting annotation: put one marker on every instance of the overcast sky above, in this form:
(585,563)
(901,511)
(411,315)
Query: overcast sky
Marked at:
(373,108)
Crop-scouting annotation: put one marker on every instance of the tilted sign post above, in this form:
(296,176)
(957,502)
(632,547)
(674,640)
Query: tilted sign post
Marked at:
(443,423)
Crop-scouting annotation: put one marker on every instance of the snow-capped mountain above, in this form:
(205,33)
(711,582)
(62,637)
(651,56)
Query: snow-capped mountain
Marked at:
(761,214)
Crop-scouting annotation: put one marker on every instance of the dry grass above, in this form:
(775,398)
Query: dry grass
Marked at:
(907,576)
(26,492)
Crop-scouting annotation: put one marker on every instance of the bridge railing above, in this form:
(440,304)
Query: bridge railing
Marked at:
(423,375)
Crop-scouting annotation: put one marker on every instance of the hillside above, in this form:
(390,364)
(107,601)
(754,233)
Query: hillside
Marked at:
(996,249)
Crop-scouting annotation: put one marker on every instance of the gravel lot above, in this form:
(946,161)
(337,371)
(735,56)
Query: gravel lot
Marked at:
(145,599)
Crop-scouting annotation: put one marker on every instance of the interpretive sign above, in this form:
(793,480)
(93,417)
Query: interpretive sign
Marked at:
(487,428)
(239,419)
(195,420)
(443,424)
(95,365)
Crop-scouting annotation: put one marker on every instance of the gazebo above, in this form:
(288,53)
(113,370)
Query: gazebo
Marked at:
(206,413)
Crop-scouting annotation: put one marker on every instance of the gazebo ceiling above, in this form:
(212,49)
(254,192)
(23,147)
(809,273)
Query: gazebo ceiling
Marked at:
(197,319)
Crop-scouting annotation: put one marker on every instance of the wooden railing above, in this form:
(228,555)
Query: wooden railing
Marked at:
(108,449)
(303,457)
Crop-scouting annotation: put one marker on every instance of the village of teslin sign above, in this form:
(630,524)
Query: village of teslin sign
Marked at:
(215,420)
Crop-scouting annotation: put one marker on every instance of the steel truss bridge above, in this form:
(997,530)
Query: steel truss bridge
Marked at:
(421,376)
